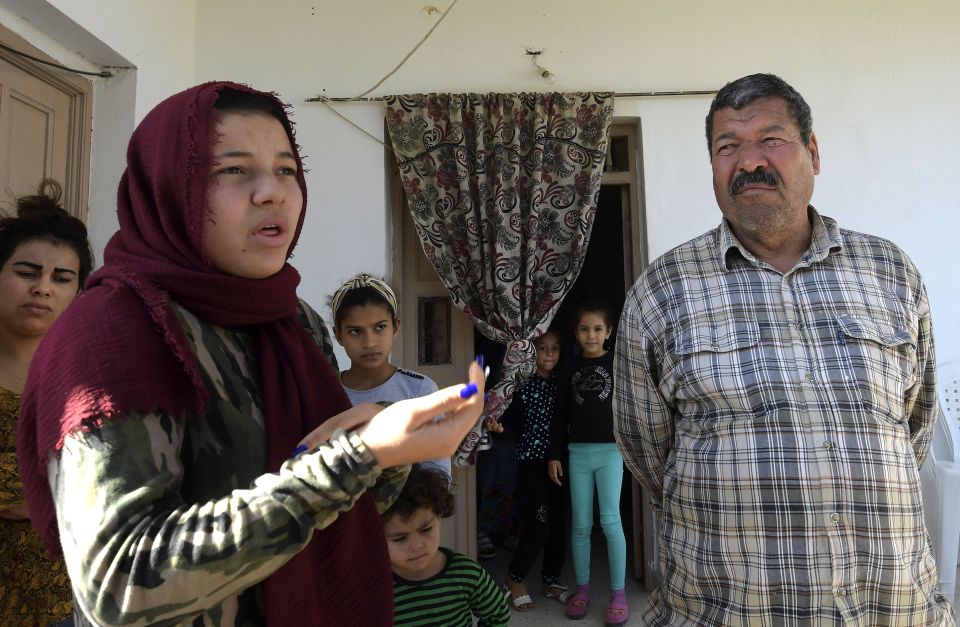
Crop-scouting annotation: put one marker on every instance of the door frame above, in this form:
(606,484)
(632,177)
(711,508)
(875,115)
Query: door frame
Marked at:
(76,186)
(459,531)
(635,247)
(635,259)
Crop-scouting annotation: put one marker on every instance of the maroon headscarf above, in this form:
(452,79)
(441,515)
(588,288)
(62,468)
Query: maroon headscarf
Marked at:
(119,349)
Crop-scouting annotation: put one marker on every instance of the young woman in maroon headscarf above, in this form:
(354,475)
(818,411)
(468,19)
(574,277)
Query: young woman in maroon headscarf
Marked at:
(166,414)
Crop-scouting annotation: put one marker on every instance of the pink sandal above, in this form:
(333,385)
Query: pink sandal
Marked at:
(617,611)
(579,603)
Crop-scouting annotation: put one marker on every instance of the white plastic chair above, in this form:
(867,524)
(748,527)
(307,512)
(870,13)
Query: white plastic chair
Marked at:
(940,478)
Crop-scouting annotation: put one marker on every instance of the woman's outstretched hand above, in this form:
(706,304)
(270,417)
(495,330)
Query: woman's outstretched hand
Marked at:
(347,420)
(406,432)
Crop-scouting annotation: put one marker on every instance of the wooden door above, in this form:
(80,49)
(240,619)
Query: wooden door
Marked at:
(436,339)
(44,127)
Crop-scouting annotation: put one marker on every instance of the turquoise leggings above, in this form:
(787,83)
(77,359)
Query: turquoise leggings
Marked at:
(600,465)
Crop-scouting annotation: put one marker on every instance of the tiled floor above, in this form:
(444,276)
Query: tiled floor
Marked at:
(550,612)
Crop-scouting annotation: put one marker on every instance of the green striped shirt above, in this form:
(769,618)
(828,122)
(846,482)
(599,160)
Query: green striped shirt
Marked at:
(453,597)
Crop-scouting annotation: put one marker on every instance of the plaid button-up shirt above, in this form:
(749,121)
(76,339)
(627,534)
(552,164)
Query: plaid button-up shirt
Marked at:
(777,421)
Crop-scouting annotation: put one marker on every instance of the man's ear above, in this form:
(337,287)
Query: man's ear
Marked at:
(396,326)
(814,152)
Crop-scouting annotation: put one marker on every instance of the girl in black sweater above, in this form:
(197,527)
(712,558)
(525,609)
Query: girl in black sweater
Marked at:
(585,428)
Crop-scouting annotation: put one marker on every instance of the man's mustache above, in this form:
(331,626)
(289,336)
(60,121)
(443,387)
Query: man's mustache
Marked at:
(762,177)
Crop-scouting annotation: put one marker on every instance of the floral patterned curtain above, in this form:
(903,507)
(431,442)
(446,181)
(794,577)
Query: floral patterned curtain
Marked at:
(503,190)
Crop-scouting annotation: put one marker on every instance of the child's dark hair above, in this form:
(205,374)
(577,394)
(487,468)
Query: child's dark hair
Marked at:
(426,486)
(40,217)
(594,306)
(363,289)
(555,332)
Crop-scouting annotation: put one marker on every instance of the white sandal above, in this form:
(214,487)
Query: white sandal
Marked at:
(518,602)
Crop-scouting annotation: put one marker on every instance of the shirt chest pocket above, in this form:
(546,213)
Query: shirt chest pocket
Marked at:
(880,363)
(718,367)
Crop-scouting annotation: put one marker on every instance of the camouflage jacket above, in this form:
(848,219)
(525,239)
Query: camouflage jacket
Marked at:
(184,520)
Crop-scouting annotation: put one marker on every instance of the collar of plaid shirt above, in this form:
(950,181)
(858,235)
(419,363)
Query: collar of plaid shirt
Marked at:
(825,238)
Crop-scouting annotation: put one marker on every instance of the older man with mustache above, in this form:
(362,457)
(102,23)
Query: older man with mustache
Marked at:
(775,394)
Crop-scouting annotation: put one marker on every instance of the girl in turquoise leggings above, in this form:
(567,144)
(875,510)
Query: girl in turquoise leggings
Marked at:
(585,428)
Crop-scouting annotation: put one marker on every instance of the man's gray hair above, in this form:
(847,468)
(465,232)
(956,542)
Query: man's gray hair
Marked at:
(743,91)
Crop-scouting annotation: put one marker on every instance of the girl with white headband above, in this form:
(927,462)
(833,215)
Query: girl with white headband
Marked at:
(366,321)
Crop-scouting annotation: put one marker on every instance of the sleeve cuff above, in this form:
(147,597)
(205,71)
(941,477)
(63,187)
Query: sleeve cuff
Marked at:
(357,451)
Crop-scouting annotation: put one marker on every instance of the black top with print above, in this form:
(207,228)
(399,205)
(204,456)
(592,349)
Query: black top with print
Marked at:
(584,402)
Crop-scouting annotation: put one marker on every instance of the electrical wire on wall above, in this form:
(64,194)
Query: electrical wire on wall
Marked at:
(101,74)
(429,9)
(548,77)
(545,74)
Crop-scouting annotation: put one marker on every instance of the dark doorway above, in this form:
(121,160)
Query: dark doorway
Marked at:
(602,273)
(602,277)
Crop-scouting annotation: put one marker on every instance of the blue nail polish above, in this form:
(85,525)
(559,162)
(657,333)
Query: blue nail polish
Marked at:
(299,450)
(480,359)
(469,391)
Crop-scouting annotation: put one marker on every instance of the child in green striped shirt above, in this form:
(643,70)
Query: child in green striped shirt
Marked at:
(433,585)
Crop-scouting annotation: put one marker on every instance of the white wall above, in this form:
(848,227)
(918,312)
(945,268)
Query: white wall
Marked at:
(154,40)
(879,77)
(148,46)
(154,36)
